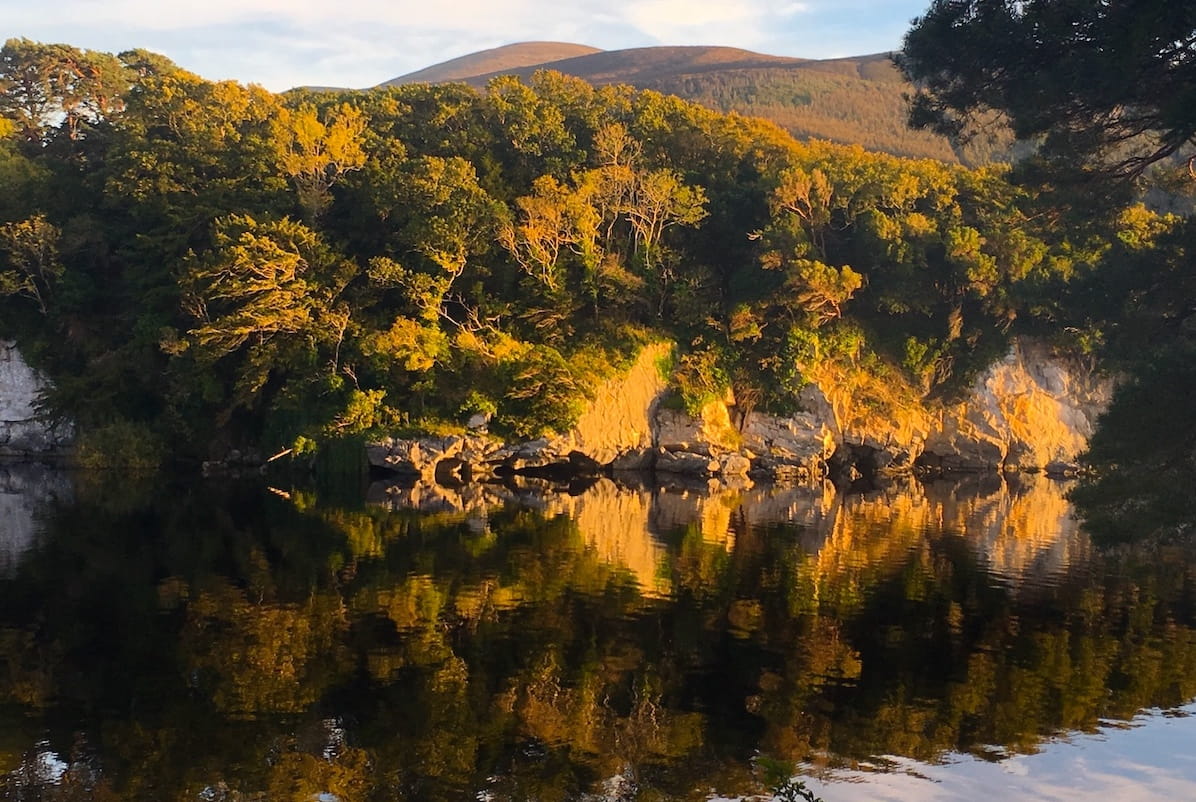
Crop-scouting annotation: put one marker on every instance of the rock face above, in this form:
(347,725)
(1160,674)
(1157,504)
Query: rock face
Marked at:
(620,419)
(22,433)
(1031,411)
(619,426)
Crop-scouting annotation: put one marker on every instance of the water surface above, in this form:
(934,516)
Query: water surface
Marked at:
(242,641)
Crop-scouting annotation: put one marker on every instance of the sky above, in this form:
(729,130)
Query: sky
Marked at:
(359,43)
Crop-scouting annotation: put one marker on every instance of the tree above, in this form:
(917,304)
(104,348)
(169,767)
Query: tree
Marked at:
(545,227)
(442,220)
(23,179)
(1109,85)
(270,292)
(316,153)
(41,82)
(29,250)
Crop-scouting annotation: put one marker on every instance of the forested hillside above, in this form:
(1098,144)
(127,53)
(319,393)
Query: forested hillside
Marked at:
(209,265)
(859,100)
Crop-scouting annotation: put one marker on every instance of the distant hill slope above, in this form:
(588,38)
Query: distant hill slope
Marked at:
(496,60)
(639,64)
(856,100)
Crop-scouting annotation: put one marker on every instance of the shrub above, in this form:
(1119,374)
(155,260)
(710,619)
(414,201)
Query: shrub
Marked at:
(122,444)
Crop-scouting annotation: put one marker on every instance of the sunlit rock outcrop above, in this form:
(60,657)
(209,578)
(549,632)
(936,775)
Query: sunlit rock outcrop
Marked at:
(1030,410)
(803,440)
(879,423)
(619,419)
(1033,410)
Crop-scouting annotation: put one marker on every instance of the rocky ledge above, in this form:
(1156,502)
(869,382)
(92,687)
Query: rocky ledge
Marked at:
(1032,411)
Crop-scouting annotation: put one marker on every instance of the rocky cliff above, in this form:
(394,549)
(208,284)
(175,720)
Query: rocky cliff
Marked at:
(22,432)
(1031,411)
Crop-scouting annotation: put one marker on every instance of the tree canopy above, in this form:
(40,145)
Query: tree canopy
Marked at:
(1108,87)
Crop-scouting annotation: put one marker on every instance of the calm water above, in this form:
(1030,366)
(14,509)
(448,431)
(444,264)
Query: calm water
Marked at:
(198,641)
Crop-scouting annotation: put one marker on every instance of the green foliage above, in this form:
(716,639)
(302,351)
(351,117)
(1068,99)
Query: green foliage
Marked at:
(700,377)
(1105,91)
(1143,453)
(778,777)
(544,393)
(315,154)
(121,445)
(1104,87)
(53,90)
(29,260)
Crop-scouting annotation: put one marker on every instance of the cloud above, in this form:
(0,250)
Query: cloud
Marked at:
(282,43)
(743,23)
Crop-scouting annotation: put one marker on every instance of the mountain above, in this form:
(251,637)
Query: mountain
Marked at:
(857,100)
(495,60)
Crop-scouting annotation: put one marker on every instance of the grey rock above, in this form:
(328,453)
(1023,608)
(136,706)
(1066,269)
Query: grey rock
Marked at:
(685,463)
(377,454)
(1060,469)
(734,465)
(637,459)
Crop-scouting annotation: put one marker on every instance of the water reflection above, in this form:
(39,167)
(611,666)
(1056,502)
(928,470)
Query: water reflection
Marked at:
(531,642)
(24,490)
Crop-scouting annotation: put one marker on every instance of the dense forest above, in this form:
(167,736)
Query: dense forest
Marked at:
(209,265)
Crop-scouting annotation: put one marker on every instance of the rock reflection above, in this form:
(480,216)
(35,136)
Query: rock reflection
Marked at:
(1024,531)
(1021,527)
(615,521)
(25,488)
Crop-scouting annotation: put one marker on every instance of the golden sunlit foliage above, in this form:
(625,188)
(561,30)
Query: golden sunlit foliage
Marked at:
(464,251)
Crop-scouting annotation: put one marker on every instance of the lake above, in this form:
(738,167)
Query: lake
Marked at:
(264,640)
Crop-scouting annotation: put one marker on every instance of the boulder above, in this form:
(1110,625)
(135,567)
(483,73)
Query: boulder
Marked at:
(685,463)
(734,465)
(637,459)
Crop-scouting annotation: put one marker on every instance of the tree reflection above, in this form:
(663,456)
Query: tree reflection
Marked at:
(228,643)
